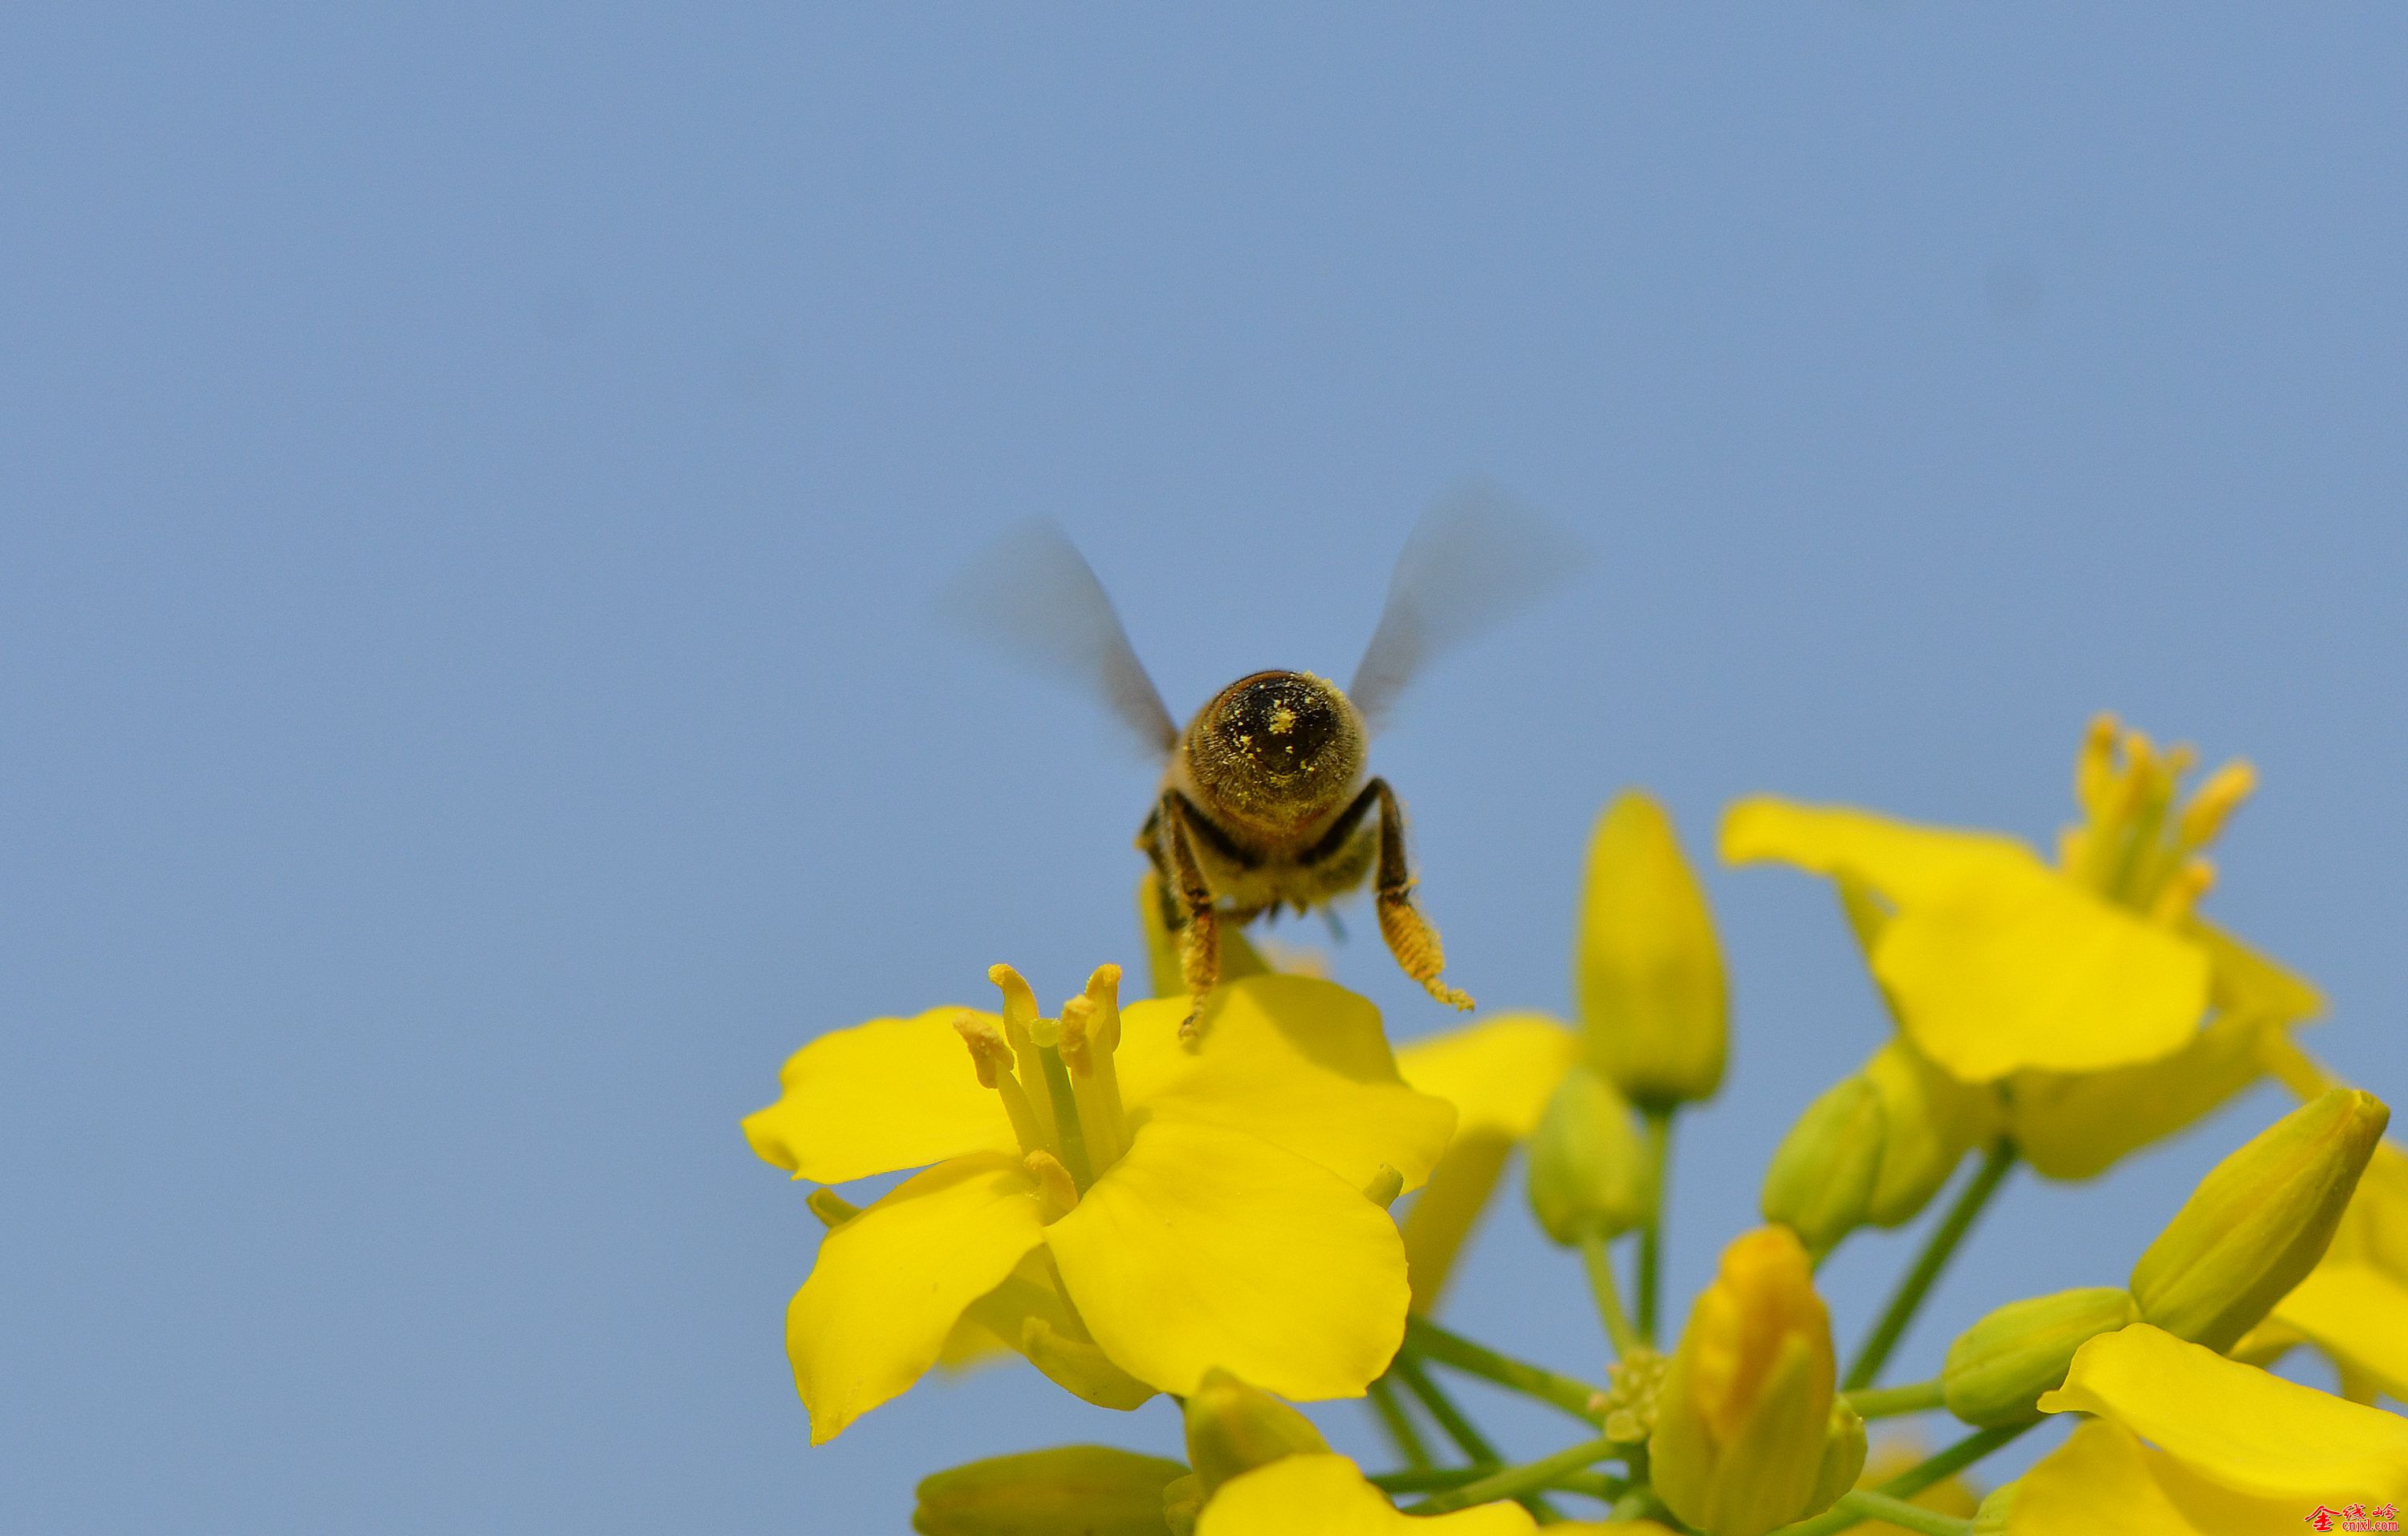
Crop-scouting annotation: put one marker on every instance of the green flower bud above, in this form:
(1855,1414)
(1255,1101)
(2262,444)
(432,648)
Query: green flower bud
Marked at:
(1234,1427)
(2259,1222)
(1591,1174)
(1647,970)
(1091,1488)
(1998,1369)
(1820,1182)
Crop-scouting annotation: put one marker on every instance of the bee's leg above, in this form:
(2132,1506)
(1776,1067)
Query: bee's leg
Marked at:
(1200,956)
(1411,937)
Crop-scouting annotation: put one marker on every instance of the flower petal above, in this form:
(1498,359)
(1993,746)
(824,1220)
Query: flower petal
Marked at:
(1206,1246)
(1994,962)
(2037,972)
(2103,1481)
(2235,1425)
(886,1095)
(1498,1073)
(1904,861)
(2357,1315)
(2074,1125)
(890,1283)
(1324,1495)
(1296,1062)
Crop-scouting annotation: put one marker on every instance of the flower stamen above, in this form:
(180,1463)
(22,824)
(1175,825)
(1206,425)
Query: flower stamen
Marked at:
(993,1058)
(1054,1186)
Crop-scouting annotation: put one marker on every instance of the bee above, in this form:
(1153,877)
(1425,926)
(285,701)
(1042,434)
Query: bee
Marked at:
(1265,799)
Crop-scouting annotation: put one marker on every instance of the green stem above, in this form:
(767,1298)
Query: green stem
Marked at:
(1890,1401)
(1906,1484)
(1937,1250)
(1458,1427)
(1428,1340)
(1602,1487)
(1897,1512)
(1400,1426)
(1518,1482)
(1609,1297)
(1651,1236)
(1432,1479)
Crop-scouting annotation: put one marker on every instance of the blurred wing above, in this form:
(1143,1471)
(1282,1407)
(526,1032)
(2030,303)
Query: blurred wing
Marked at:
(1035,597)
(1475,559)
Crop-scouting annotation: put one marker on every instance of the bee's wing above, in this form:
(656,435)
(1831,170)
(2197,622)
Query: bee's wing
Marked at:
(1034,595)
(1475,558)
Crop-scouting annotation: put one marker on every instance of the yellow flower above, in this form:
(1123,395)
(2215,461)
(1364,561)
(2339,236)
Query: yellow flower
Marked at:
(2111,1012)
(1119,1207)
(1326,1496)
(2185,1440)
(1749,1432)
(1499,1075)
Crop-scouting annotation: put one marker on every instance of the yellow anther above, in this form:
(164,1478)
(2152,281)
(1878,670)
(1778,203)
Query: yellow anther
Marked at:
(1054,1186)
(2094,772)
(831,1208)
(989,1052)
(2217,797)
(1078,1040)
(1019,1002)
(2189,882)
(1104,993)
(1019,1013)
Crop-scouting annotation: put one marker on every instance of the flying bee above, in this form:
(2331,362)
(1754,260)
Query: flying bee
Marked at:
(1265,799)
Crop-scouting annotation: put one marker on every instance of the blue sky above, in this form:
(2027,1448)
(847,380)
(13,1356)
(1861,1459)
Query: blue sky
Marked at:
(476,482)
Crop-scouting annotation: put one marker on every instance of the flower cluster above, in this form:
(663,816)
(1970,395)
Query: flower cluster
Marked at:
(1136,1213)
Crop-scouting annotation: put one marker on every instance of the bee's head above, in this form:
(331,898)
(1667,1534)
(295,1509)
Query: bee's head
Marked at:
(1275,749)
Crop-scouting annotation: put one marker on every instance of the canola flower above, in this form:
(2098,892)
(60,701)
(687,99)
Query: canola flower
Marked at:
(1140,1218)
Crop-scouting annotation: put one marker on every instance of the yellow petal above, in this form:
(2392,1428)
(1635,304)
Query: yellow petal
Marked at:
(1208,1247)
(2035,971)
(890,1283)
(2075,1125)
(2252,983)
(1295,1062)
(2357,1315)
(2374,1229)
(2233,1424)
(1994,961)
(1324,1495)
(890,1093)
(1498,1073)
(1905,862)
(2103,1481)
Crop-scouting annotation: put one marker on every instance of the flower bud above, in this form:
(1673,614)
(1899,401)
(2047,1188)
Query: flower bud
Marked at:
(2259,1222)
(1745,1439)
(1646,969)
(1998,1369)
(1070,1488)
(1820,1182)
(1591,1174)
(1234,1427)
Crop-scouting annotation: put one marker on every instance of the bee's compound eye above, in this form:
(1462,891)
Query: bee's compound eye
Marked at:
(1281,721)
